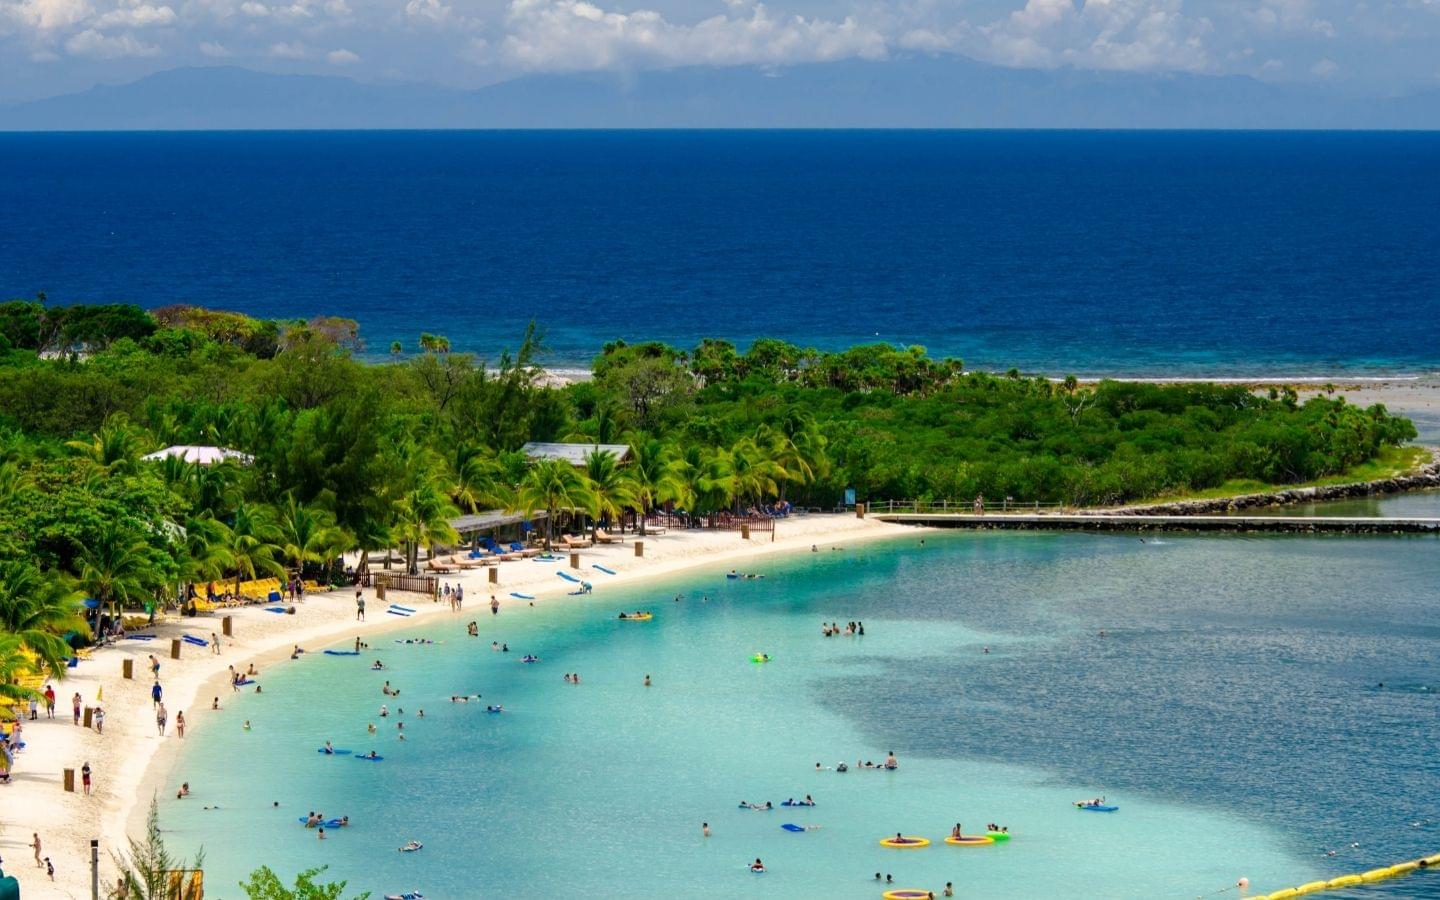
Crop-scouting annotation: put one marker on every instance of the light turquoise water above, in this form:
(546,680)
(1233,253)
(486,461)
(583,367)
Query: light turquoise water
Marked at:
(1231,712)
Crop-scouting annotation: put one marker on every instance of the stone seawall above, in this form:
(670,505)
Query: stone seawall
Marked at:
(1427,477)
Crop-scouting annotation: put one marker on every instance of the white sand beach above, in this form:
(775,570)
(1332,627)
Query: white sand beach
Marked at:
(130,760)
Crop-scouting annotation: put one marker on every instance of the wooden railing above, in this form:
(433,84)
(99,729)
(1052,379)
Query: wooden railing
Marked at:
(961,507)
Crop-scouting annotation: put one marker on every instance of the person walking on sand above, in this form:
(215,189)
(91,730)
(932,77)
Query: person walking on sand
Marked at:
(180,724)
(215,643)
(99,720)
(156,692)
(35,844)
(85,778)
(359,606)
(154,666)
(160,717)
(494,606)
(75,704)
(49,702)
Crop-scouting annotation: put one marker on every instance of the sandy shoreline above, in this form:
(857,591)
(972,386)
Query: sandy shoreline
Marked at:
(130,761)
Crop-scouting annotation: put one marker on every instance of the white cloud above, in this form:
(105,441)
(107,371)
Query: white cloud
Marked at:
(1097,34)
(283,50)
(47,15)
(1289,15)
(254,10)
(342,57)
(577,35)
(214,50)
(93,44)
(1324,68)
(433,10)
(136,17)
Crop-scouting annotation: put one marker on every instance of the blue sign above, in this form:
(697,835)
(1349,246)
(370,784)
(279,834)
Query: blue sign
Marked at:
(849,496)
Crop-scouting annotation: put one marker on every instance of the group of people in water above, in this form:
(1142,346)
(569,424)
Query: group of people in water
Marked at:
(851,629)
(889,765)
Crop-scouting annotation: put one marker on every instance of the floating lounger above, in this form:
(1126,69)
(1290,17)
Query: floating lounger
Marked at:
(522,596)
(405,608)
(791,827)
(603,569)
(568,577)
(396,612)
(275,609)
(198,642)
(342,652)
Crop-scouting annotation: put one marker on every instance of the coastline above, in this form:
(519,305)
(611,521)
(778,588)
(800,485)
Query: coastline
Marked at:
(131,762)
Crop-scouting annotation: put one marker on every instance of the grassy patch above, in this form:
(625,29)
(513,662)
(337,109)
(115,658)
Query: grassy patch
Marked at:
(1391,462)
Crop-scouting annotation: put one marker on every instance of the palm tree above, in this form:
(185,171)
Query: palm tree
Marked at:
(552,485)
(610,490)
(306,532)
(116,447)
(656,475)
(207,553)
(752,474)
(479,479)
(38,609)
(16,662)
(423,519)
(253,548)
(115,566)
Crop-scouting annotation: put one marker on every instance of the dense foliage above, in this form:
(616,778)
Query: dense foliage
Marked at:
(350,455)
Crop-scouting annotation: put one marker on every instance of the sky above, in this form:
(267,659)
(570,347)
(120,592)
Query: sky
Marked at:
(1362,47)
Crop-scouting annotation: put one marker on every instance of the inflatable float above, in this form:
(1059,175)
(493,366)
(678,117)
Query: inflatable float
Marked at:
(568,577)
(998,837)
(602,569)
(368,758)
(333,752)
(1089,808)
(790,826)
(641,617)
(907,894)
(342,652)
(408,895)
(796,803)
(905,842)
(970,840)
(518,596)
(761,658)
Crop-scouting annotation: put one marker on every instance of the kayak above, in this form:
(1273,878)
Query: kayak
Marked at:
(1088,808)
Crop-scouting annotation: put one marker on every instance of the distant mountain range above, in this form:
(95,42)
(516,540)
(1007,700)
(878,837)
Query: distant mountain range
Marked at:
(916,92)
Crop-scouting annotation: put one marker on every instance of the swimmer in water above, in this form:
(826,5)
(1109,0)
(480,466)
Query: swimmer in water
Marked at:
(705,828)
(329,750)
(247,724)
(370,728)
(757,866)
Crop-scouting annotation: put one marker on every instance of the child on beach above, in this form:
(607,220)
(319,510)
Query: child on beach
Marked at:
(85,778)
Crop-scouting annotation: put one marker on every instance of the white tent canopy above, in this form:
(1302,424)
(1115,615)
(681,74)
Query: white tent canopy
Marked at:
(205,456)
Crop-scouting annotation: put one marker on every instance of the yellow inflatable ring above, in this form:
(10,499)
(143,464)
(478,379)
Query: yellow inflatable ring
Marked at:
(905,843)
(905,894)
(969,840)
(643,617)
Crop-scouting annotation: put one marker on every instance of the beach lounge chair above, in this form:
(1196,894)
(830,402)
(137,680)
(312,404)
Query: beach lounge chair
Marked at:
(605,538)
(435,565)
(463,562)
(527,552)
(575,543)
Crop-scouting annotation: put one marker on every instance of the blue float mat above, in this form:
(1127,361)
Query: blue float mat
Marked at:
(603,569)
(342,652)
(275,609)
(522,596)
(568,577)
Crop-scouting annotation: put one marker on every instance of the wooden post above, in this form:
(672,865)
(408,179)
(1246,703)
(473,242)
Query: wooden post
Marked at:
(69,775)
(859,510)
(379,590)
(574,560)
(225,626)
(85,719)
(744,532)
(174,648)
(494,575)
(127,668)
(639,548)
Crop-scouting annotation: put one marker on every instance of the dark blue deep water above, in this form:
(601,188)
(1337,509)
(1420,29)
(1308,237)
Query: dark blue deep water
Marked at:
(1087,252)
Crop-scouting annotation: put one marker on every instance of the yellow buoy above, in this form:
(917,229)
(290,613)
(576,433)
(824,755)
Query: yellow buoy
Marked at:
(1311,887)
(1375,875)
(1344,881)
(1284,895)
(1404,868)
(1432,860)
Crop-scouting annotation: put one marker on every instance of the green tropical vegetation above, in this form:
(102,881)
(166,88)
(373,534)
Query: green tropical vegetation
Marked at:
(347,452)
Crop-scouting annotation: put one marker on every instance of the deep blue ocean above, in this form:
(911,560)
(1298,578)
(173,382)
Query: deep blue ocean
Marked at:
(1157,253)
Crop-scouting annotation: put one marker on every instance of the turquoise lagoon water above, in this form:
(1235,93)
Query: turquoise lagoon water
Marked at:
(1232,711)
